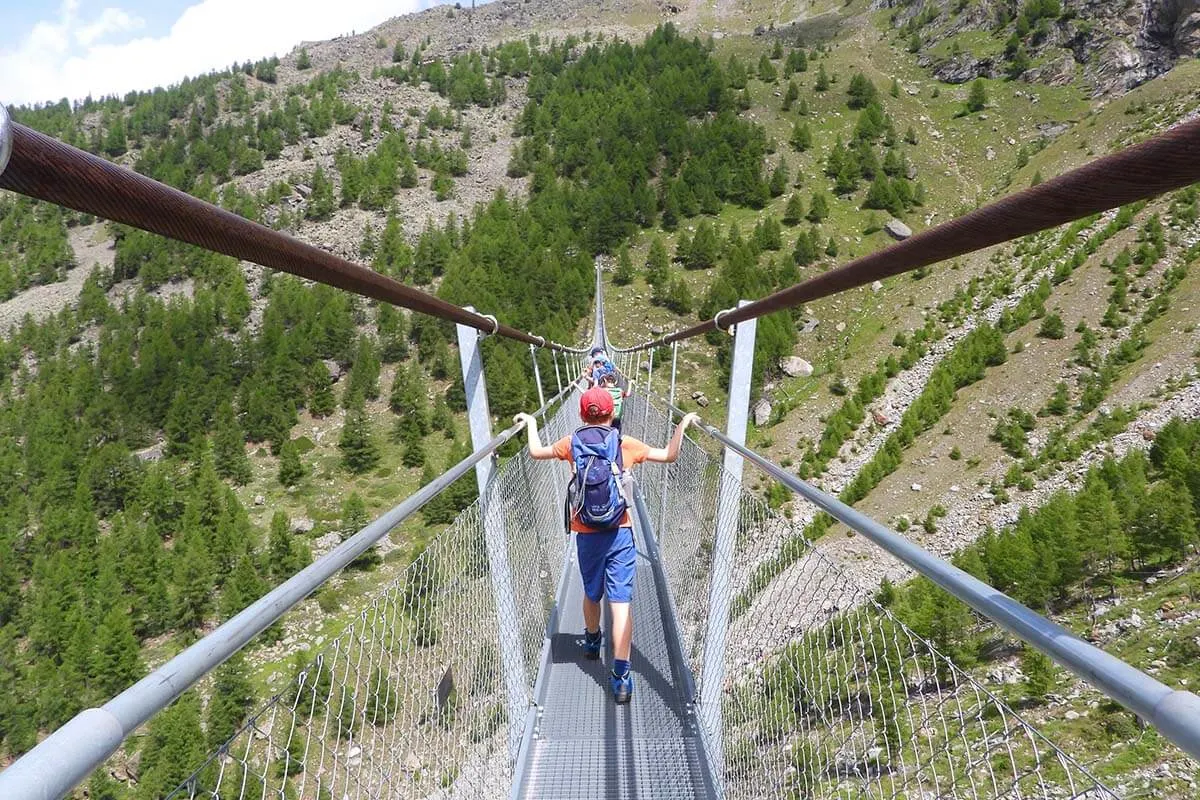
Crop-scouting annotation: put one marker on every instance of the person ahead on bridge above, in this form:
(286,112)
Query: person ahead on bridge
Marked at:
(610,383)
(607,556)
(598,366)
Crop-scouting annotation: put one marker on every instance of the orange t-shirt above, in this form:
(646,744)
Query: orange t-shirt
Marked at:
(633,451)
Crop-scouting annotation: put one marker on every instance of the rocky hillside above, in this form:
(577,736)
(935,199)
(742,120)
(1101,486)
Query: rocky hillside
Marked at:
(1111,47)
(851,124)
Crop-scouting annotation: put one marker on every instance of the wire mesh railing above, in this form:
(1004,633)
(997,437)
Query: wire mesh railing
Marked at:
(825,692)
(408,700)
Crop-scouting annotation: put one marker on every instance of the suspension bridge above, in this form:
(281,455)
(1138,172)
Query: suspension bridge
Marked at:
(463,677)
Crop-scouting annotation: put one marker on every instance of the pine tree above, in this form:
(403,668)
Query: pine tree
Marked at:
(229,447)
(320,201)
(1039,673)
(624,274)
(801,136)
(359,451)
(285,555)
(794,211)
(242,588)
(354,515)
(303,62)
(232,698)
(791,96)
(393,334)
(766,70)
(1165,525)
(192,582)
(861,92)
(657,263)
(414,443)
(822,83)
(321,401)
(779,179)
(818,208)
(291,471)
(363,381)
(174,744)
(116,657)
(977,99)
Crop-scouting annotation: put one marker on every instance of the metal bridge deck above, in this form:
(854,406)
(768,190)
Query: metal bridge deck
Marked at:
(586,746)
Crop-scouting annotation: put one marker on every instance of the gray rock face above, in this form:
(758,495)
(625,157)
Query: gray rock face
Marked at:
(334,369)
(152,453)
(897,229)
(795,367)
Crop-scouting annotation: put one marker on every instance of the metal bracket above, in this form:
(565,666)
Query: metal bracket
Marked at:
(6,137)
(717,320)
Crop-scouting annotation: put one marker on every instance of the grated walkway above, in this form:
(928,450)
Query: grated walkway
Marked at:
(585,746)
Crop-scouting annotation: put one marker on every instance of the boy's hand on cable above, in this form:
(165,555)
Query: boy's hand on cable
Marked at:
(689,419)
(524,419)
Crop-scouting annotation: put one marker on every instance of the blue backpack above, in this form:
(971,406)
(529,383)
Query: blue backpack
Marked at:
(597,497)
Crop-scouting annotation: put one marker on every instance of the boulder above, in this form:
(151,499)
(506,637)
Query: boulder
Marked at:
(795,367)
(876,286)
(657,330)
(916,487)
(302,525)
(897,229)
(762,412)
(702,401)
(259,500)
(697,395)
(809,325)
(840,327)
(152,453)
(334,369)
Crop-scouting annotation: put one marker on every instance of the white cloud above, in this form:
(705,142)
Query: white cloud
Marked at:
(71,57)
(111,20)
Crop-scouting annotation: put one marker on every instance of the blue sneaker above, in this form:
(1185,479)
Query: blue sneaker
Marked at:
(622,687)
(591,647)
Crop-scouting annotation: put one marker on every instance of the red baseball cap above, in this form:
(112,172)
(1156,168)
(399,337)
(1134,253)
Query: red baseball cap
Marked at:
(595,403)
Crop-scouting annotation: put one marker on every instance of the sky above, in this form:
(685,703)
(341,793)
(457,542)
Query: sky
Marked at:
(98,47)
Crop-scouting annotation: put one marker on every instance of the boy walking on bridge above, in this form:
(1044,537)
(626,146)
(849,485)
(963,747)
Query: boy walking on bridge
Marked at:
(602,522)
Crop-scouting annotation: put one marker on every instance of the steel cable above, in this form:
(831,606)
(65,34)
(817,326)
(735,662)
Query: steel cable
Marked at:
(1170,160)
(44,168)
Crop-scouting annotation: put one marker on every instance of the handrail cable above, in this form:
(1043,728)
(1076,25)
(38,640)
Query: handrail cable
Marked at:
(1175,713)
(1170,160)
(44,168)
(57,764)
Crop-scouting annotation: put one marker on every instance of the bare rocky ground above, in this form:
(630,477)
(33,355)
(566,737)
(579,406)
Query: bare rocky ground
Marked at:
(841,569)
(848,566)
(40,302)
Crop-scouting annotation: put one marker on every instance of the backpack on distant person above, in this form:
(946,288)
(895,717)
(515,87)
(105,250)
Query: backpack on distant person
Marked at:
(599,499)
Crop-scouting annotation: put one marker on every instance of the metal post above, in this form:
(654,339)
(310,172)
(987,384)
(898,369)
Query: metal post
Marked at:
(537,376)
(720,590)
(646,413)
(557,374)
(508,622)
(666,484)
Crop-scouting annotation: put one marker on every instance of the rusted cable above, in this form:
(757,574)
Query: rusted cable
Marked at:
(1170,160)
(47,169)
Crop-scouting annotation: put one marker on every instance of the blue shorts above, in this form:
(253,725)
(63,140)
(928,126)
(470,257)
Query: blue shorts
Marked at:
(607,563)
